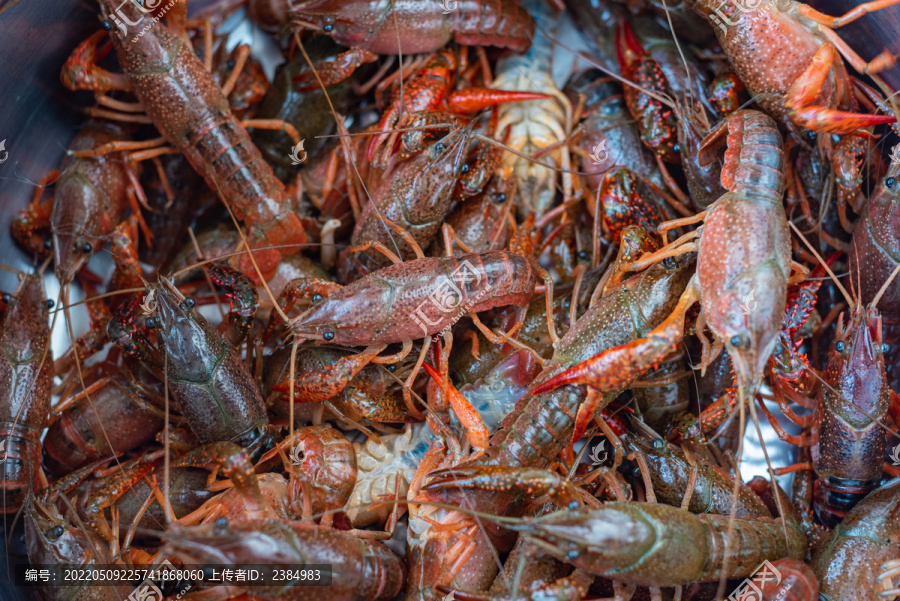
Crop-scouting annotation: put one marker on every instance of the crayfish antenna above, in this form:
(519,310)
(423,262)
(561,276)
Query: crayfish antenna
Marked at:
(850,302)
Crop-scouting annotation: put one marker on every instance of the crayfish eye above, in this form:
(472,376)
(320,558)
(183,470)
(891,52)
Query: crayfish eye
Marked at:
(811,136)
(573,505)
(392,368)
(188,303)
(221,522)
(582,254)
(6,298)
(56,531)
(839,346)
(87,248)
(440,147)
(151,322)
(465,169)
(230,63)
(50,303)
(889,182)
(328,28)
(316,297)
(328,336)
(676,148)
(885,347)
(105,24)
(500,198)
(735,341)
(47,245)
(573,554)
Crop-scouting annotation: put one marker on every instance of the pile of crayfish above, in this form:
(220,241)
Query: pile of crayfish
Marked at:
(470,300)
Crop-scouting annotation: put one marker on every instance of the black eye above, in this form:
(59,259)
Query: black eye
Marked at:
(58,531)
(105,24)
(87,248)
(573,505)
(889,182)
(151,322)
(6,298)
(735,341)
(392,368)
(230,63)
(316,297)
(839,346)
(190,302)
(328,28)
(465,169)
(676,148)
(582,254)
(440,147)
(500,198)
(221,522)
(47,245)
(885,347)
(328,335)
(573,554)
(50,303)
(811,136)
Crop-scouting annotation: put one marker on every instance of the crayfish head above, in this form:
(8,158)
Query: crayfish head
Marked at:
(747,318)
(260,541)
(354,315)
(51,539)
(71,222)
(193,345)
(599,541)
(27,340)
(215,542)
(856,367)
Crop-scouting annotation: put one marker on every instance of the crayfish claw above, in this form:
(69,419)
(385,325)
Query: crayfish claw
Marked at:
(530,481)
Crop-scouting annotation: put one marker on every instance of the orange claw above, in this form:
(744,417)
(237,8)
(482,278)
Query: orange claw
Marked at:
(830,121)
(467,414)
(82,73)
(472,100)
(820,118)
(613,369)
(335,70)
